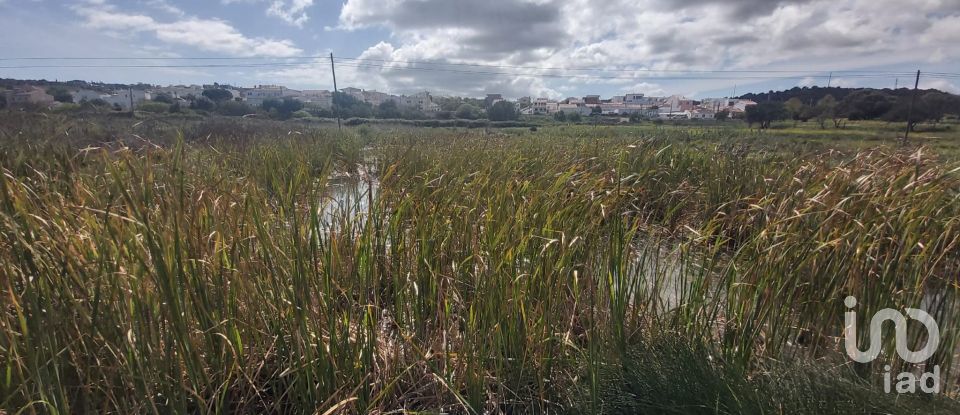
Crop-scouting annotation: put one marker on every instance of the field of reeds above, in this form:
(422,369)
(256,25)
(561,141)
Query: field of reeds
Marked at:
(260,267)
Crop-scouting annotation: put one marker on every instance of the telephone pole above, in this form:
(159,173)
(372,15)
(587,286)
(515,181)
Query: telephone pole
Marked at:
(913,99)
(333,97)
(830,80)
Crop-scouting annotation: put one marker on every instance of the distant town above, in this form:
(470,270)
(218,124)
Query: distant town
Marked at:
(125,98)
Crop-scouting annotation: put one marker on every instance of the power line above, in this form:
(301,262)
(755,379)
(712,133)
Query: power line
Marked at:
(240,65)
(423,62)
(383,64)
(590,76)
(415,62)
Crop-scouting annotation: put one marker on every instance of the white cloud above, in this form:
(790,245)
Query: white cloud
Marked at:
(645,88)
(941,84)
(210,35)
(809,36)
(293,12)
(166,6)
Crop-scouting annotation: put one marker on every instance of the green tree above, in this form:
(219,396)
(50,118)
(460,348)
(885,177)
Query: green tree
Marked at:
(560,116)
(283,109)
(503,111)
(794,107)
(721,115)
(765,113)
(865,105)
(60,94)
(348,106)
(448,103)
(155,107)
(575,117)
(388,109)
(467,112)
(935,105)
(410,113)
(234,108)
(163,97)
(203,104)
(217,94)
(97,102)
(826,110)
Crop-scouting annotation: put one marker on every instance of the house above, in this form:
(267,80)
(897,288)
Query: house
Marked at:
(124,98)
(542,106)
(665,112)
(422,101)
(591,99)
(85,95)
(318,97)
(638,99)
(375,98)
(28,95)
(353,92)
(524,102)
(180,91)
(739,105)
(256,95)
(290,93)
(700,114)
(569,109)
(680,103)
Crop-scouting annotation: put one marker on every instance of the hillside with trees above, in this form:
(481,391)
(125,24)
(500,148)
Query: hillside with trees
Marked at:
(834,105)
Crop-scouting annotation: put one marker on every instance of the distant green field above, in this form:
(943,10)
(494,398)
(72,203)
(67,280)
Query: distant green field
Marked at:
(227,265)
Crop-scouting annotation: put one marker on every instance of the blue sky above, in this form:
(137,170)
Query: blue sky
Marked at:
(658,47)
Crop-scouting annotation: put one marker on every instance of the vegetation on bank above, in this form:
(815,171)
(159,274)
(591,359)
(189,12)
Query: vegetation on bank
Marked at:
(207,266)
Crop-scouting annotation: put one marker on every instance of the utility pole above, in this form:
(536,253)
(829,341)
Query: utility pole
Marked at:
(896,83)
(333,104)
(130,91)
(913,99)
(829,79)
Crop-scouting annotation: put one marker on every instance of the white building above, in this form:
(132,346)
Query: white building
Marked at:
(123,98)
(639,99)
(375,98)
(180,91)
(319,97)
(81,95)
(422,101)
(700,114)
(256,95)
(569,109)
(543,106)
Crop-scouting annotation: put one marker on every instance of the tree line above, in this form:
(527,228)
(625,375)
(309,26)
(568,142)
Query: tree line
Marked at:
(822,106)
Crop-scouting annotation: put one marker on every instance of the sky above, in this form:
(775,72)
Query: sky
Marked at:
(538,48)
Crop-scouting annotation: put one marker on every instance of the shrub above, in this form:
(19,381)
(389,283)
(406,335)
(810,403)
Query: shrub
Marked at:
(153,107)
(234,108)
